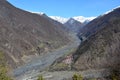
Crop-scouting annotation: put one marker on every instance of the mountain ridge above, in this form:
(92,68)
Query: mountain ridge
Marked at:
(101,49)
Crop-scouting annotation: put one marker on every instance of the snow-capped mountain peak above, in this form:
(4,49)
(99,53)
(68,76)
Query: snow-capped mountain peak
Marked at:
(59,19)
(78,18)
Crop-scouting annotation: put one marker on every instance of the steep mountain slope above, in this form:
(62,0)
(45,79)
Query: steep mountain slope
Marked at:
(95,25)
(55,22)
(102,49)
(99,52)
(23,33)
(73,25)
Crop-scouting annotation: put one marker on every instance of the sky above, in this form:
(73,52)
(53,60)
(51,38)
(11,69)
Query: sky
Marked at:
(67,8)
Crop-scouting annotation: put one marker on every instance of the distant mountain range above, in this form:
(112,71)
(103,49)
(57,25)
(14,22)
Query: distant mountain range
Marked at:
(78,18)
(73,24)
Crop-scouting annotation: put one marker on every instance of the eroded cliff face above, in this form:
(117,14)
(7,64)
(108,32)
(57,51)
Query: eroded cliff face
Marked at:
(23,33)
(101,50)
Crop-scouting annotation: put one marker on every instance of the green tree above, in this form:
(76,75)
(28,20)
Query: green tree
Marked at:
(3,68)
(77,77)
(40,77)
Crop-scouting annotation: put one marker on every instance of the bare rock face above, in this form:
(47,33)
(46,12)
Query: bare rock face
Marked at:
(23,33)
(102,49)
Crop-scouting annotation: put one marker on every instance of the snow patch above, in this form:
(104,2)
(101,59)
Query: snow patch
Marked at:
(39,13)
(83,19)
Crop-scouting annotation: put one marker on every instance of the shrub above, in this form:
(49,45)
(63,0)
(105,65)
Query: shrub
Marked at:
(40,77)
(77,77)
(3,68)
(114,77)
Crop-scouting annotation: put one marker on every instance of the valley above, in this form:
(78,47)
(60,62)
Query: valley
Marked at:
(40,63)
(34,45)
